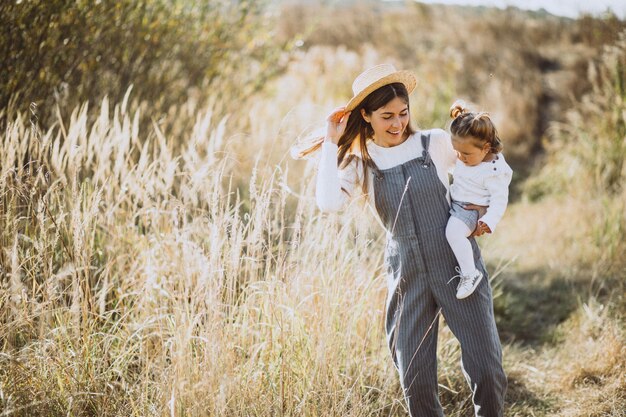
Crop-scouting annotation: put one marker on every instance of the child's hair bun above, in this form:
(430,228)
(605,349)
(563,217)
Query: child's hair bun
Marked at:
(457,109)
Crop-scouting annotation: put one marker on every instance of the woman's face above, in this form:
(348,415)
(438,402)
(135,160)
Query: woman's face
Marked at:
(468,151)
(389,123)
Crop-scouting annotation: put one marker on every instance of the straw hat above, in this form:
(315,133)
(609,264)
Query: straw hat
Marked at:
(376,77)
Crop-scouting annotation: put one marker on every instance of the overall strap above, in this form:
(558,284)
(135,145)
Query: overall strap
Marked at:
(425,153)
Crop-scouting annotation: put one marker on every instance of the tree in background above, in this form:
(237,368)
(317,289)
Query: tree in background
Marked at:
(68,51)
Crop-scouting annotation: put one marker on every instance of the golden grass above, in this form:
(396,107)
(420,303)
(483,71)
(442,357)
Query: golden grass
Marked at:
(547,234)
(151,287)
(581,375)
(185,270)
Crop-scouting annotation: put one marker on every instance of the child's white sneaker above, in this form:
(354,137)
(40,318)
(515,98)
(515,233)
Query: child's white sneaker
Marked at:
(468,284)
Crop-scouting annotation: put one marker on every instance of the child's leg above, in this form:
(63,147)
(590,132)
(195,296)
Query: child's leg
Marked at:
(457,233)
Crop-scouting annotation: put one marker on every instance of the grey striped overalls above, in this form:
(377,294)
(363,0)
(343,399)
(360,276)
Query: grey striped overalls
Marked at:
(411,202)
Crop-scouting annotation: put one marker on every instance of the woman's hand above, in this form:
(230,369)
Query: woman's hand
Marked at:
(336,124)
(481,228)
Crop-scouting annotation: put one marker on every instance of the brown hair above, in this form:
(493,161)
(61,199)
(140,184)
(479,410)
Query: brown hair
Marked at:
(477,125)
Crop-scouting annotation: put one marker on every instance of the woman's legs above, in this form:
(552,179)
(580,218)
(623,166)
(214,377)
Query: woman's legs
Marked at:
(472,322)
(412,325)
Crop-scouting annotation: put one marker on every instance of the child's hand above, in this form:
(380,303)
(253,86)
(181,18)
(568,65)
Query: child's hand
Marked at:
(481,229)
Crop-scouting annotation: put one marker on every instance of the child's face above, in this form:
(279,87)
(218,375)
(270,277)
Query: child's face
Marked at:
(468,152)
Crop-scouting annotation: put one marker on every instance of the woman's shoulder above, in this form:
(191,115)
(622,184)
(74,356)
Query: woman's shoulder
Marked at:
(439,138)
(435,134)
(440,145)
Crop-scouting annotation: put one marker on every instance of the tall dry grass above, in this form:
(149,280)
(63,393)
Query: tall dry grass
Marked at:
(176,264)
(137,281)
(586,158)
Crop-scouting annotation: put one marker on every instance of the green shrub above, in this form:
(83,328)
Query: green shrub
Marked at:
(70,51)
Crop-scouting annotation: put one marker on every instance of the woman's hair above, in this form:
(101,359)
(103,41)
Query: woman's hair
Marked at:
(477,125)
(358,129)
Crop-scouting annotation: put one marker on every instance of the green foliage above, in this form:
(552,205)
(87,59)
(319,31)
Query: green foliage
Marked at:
(72,51)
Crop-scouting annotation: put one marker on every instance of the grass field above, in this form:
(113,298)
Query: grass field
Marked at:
(176,264)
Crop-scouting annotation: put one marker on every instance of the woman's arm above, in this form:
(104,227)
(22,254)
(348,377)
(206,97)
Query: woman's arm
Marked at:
(334,186)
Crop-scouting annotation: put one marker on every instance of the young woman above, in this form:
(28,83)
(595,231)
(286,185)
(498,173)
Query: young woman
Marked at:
(370,144)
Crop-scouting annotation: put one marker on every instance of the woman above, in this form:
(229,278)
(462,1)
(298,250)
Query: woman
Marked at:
(404,173)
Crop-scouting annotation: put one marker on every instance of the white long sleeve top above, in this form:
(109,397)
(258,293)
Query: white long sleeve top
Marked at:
(485,184)
(335,186)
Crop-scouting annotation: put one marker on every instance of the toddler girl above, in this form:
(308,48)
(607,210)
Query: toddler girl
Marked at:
(481,177)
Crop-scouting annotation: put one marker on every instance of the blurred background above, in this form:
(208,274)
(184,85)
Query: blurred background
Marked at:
(161,253)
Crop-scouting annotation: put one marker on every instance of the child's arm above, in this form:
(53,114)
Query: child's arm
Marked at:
(498,187)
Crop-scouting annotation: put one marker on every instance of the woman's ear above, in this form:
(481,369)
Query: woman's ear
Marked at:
(364,115)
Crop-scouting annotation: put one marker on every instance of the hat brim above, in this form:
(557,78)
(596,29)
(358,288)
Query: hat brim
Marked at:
(405,77)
